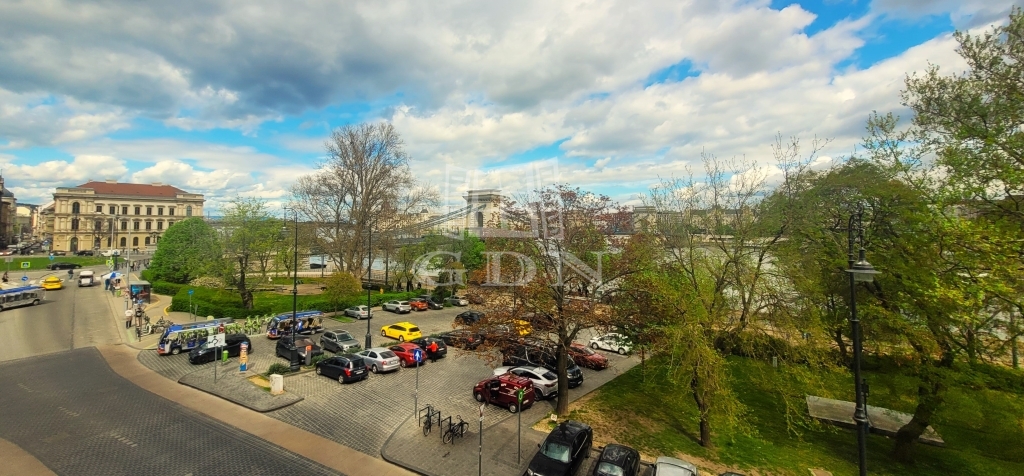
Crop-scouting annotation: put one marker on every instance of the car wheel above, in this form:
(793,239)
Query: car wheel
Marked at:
(622,351)
(175,351)
(513,407)
(383,334)
(401,363)
(374,368)
(341,379)
(478,396)
(593,345)
(35,302)
(319,372)
(401,338)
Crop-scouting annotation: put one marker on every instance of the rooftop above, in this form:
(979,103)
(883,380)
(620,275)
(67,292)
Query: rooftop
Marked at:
(133,189)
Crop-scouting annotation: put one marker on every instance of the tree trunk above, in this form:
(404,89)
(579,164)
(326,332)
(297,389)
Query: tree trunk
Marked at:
(843,353)
(243,291)
(1014,359)
(929,398)
(562,405)
(704,409)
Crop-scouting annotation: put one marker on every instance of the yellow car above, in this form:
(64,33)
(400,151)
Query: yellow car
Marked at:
(403,331)
(523,327)
(52,283)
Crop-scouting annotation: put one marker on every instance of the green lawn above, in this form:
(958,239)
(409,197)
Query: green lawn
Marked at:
(983,429)
(37,263)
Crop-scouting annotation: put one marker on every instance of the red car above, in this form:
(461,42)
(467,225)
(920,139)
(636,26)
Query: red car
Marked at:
(418,304)
(586,357)
(502,390)
(404,352)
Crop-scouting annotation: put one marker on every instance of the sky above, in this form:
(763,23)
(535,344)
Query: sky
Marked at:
(237,97)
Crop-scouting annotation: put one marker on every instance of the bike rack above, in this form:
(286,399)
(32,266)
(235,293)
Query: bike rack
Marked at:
(429,409)
(446,427)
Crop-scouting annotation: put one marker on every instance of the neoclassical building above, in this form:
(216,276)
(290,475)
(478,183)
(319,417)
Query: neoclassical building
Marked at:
(103,215)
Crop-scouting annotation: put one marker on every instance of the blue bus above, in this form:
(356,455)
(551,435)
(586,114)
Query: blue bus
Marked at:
(306,322)
(21,296)
(185,337)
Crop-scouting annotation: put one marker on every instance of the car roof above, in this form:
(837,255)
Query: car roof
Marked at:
(674,467)
(404,324)
(377,349)
(568,430)
(617,454)
(406,345)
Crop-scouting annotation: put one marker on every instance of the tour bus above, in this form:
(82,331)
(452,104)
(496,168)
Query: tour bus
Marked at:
(21,296)
(185,337)
(306,322)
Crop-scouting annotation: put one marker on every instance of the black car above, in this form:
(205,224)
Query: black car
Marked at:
(285,347)
(564,450)
(618,460)
(339,342)
(84,253)
(537,355)
(63,265)
(345,368)
(431,304)
(424,342)
(469,318)
(463,338)
(204,354)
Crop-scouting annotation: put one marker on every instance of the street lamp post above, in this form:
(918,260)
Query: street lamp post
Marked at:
(295,294)
(860,271)
(369,283)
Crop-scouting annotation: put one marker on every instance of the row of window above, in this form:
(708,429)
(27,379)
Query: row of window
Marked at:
(124,242)
(76,223)
(76,208)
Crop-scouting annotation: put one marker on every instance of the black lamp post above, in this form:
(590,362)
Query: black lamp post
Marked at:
(860,272)
(369,283)
(295,294)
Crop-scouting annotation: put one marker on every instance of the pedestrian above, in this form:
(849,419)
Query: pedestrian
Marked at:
(128,318)
(432,351)
(106,284)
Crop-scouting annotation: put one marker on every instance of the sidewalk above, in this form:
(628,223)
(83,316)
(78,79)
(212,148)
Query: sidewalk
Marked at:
(154,310)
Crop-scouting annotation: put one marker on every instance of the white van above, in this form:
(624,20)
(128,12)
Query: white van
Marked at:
(86,278)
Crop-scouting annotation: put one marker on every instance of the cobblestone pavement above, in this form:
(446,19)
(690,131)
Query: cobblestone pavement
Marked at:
(76,416)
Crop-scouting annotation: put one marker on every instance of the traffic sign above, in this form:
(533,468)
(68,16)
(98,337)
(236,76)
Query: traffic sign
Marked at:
(520,394)
(24,278)
(110,262)
(417,355)
(9,259)
(51,256)
(191,291)
(217,340)
(25,264)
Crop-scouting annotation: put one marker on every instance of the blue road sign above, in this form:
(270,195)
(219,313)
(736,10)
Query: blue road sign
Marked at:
(51,257)
(190,291)
(417,354)
(24,278)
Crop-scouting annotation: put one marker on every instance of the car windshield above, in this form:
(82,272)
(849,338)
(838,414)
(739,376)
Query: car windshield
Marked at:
(608,469)
(549,376)
(414,329)
(344,336)
(387,354)
(403,303)
(585,350)
(556,451)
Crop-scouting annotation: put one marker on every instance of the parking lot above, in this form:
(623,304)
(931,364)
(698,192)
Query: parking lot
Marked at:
(363,415)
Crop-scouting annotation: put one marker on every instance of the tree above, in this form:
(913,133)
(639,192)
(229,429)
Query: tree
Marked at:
(251,236)
(567,251)
(340,285)
(188,249)
(365,185)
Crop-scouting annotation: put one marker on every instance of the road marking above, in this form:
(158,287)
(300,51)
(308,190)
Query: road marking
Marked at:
(124,440)
(67,412)
(23,387)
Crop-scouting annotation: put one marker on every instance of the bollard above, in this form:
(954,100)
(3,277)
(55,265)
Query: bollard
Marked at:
(224,356)
(276,384)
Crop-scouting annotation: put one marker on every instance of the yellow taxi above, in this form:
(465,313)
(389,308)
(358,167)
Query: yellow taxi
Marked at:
(523,327)
(52,283)
(401,331)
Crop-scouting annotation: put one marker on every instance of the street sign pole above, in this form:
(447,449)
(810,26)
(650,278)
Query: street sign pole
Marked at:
(480,447)
(190,315)
(519,427)
(417,355)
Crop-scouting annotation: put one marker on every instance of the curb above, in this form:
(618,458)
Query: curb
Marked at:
(395,462)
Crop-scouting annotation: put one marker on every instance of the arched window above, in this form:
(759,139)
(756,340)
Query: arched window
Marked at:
(147,241)
(188,211)
(480,219)
(124,242)
(99,225)
(74,244)
(76,208)
(74,223)
(135,241)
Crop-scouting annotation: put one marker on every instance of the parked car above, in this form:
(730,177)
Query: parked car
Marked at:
(109,253)
(586,357)
(359,312)
(345,368)
(401,331)
(463,338)
(84,253)
(52,283)
(424,342)
(59,253)
(418,304)
(503,391)
(617,460)
(537,355)
(7,252)
(401,307)
(431,303)
(458,301)
(611,341)
(339,342)
(667,466)
(379,359)
(468,318)
(62,265)
(405,353)
(86,278)
(285,346)
(204,354)
(545,382)
(563,450)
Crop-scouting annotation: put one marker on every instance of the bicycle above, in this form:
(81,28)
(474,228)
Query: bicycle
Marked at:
(429,420)
(455,430)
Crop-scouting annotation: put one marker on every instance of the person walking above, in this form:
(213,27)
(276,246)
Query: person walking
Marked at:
(432,351)
(128,318)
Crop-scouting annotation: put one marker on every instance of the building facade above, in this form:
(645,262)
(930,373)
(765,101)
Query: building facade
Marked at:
(8,206)
(106,215)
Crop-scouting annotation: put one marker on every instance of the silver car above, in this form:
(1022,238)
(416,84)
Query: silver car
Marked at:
(339,342)
(359,312)
(458,301)
(401,307)
(545,382)
(379,359)
(674,467)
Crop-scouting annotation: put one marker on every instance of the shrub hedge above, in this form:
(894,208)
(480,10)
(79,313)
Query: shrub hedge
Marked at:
(222,303)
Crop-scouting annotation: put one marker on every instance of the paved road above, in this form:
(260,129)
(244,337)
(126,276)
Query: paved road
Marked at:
(69,318)
(75,415)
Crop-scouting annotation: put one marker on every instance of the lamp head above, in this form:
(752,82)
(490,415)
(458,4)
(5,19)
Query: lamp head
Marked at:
(863,272)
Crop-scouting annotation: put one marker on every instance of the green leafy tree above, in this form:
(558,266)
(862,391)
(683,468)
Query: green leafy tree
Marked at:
(251,236)
(188,249)
(339,286)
